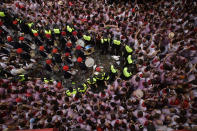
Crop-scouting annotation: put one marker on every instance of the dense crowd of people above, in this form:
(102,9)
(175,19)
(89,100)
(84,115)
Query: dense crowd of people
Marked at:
(153,88)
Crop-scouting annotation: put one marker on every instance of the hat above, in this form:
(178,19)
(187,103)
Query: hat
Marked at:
(48,61)
(67,54)
(41,48)
(171,35)
(35,34)
(21,38)
(98,69)
(15,22)
(28,94)
(19,50)
(79,59)
(59,84)
(55,50)
(9,38)
(68,44)
(63,33)
(78,47)
(74,33)
(133,10)
(65,68)
(70,3)
(48,35)
(18,99)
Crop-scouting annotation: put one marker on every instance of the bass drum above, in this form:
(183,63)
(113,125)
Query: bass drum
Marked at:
(89,62)
(80,42)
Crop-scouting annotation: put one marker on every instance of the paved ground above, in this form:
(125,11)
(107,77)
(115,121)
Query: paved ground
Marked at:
(100,60)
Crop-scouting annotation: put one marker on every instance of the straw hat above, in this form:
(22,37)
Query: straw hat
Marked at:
(49,56)
(171,35)
(138,93)
(60,3)
(50,3)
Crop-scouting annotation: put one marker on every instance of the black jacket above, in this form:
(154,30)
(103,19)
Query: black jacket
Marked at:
(48,68)
(67,75)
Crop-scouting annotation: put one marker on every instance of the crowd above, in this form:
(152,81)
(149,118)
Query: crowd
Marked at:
(155,87)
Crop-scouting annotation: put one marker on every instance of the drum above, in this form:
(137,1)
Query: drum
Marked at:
(80,42)
(89,62)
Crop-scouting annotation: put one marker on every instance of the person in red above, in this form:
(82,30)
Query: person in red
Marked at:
(63,39)
(18,99)
(9,38)
(23,54)
(63,33)
(59,85)
(74,37)
(98,69)
(68,58)
(48,65)
(48,36)
(79,52)
(37,39)
(74,33)
(57,56)
(19,50)
(21,38)
(15,22)
(81,64)
(67,74)
(41,51)
(68,47)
